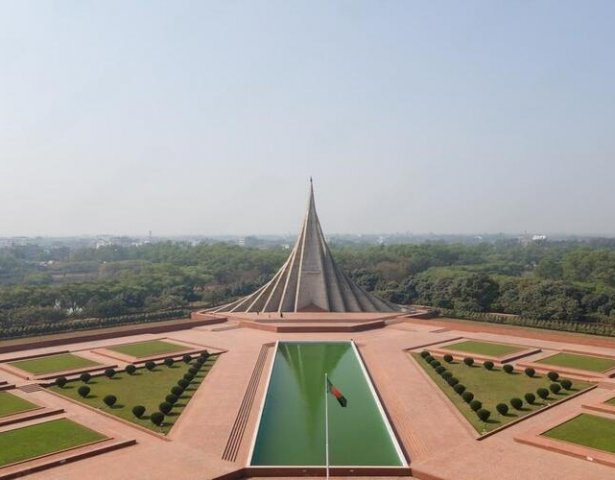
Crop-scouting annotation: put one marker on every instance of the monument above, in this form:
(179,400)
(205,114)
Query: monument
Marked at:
(310,280)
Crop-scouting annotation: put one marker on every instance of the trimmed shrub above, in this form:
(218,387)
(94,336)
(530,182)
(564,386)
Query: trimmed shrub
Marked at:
(483,414)
(85,377)
(425,354)
(435,364)
(543,393)
(441,369)
(508,368)
(447,375)
(459,388)
(553,376)
(467,396)
(567,384)
(177,390)
(188,376)
(204,355)
(61,381)
(452,381)
(502,408)
(157,418)
(110,372)
(530,372)
(193,370)
(110,400)
(165,407)
(169,362)
(476,405)
(131,369)
(150,365)
(172,399)
(555,388)
(187,358)
(138,411)
(83,391)
(183,383)
(448,358)
(530,398)
(516,403)
(488,365)
(469,361)
(428,359)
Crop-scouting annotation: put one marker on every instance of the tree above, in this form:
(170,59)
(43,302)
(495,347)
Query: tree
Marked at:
(530,398)
(83,391)
(530,372)
(483,414)
(452,381)
(467,396)
(475,405)
(183,383)
(459,388)
(171,398)
(543,393)
(131,369)
(165,407)
(516,403)
(110,372)
(555,388)
(435,364)
(469,361)
(138,411)
(425,354)
(110,400)
(150,365)
(488,365)
(85,377)
(177,390)
(169,362)
(61,381)
(567,384)
(508,368)
(553,376)
(448,358)
(502,408)
(187,358)
(157,418)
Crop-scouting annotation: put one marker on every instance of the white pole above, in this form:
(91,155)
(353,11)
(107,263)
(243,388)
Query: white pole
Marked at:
(326,426)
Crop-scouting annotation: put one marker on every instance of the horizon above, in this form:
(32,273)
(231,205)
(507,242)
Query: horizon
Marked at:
(209,118)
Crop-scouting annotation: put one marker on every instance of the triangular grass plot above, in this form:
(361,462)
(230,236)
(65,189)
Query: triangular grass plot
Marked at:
(144,387)
(492,387)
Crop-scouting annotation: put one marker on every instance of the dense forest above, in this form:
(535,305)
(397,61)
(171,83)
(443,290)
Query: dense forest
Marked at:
(54,289)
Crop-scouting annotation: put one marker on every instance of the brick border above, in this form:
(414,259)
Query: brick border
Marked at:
(535,438)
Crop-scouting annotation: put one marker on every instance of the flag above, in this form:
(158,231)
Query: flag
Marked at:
(333,390)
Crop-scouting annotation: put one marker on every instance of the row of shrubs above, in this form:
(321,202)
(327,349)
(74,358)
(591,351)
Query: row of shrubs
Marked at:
(468,397)
(89,323)
(561,325)
(165,407)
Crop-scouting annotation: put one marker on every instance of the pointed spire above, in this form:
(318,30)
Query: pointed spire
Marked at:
(310,280)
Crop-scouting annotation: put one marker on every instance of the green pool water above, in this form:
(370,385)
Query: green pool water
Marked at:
(292,425)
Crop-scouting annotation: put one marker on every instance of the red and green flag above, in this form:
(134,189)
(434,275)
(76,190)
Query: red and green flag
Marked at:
(339,396)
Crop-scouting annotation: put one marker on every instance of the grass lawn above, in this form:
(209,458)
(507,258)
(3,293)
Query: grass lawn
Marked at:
(493,387)
(143,388)
(11,404)
(582,362)
(43,438)
(149,348)
(485,348)
(53,363)
(588,430)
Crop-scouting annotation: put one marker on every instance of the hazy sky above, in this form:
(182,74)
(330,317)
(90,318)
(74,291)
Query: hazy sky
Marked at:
(209,117)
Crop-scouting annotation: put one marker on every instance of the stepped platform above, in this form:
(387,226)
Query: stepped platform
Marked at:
(312,322)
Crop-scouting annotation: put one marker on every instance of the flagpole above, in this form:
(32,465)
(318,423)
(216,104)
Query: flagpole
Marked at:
(326,427)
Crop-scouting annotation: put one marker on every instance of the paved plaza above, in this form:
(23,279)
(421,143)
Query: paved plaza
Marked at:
(213,435)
